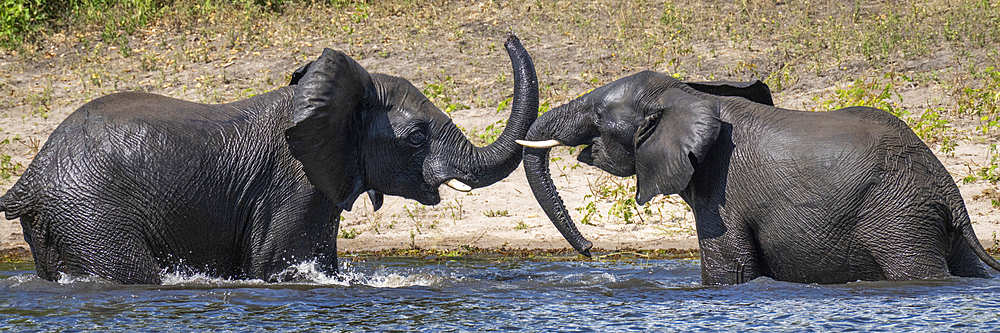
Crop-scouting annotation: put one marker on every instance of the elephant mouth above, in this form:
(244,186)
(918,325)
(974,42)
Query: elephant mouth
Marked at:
(587,155)
(458,185)
(596,155)
(432,195)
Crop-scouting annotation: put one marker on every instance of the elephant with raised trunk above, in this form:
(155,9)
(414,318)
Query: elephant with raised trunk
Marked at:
(812,197)
(132,185)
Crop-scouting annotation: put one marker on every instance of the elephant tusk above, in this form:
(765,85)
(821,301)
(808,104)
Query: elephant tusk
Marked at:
(539,144)
(458,185)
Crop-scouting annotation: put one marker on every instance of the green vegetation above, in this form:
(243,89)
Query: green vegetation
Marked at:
(349,234)
(521,225)
(869,53)
(489,134)
(496,213)
(8,168)
(883,93)
(443,95)
(620,194)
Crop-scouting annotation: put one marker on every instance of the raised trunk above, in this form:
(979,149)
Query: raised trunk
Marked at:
(483,166)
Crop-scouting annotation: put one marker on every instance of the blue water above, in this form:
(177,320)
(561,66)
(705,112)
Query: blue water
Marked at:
(496,294)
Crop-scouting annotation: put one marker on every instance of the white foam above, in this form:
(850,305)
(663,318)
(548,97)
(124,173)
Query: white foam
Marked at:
(394,280)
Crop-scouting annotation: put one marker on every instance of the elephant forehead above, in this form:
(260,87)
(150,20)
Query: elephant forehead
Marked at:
(401,119)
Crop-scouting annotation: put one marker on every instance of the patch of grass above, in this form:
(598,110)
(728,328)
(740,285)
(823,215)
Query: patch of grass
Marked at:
(454,209)
(8,168)
(488,134)
(620,193)
(496,213)
(982,100)
(989,171)
(883,93)
(443,94)
(521,225)
(41,102)
(349,234)
(872,92)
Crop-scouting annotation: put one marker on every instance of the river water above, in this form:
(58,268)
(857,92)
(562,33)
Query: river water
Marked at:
(496,294)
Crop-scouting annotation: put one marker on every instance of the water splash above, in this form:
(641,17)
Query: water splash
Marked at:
(309,273)
(179,278)
(65,279)
(394,280)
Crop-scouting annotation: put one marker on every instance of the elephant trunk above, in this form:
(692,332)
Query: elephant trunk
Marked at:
(536,169)
(483,166)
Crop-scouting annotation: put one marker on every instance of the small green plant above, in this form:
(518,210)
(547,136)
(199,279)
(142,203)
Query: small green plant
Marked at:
(932,127)
(521,225)
(589,210)
(496,213)
(7,167)
(442,94)
(504,104)
(414,213)
(620,192)
(349,234)
(41,101)
(489,134)
(454,208)
(990,171)
(544,107)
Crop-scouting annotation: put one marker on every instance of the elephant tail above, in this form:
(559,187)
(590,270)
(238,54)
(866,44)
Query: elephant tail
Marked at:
(961,221)
(977,248)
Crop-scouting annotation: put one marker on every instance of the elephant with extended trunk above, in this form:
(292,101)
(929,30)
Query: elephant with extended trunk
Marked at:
(131,185)
(824,197)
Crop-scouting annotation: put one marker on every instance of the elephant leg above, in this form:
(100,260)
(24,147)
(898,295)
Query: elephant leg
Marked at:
(729,257)
(962,261)
(126,259)
(909,252)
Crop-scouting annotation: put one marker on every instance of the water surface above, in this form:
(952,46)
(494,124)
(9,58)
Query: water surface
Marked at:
(407,294)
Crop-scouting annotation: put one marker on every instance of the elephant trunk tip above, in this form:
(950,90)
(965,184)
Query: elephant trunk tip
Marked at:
(512,40)
(585,247)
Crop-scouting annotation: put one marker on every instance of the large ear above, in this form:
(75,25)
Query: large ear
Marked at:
(326,125)
(679,128)
(298,74)
(756,91)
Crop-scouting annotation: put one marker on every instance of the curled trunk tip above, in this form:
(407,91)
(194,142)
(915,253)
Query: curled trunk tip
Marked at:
(536,169)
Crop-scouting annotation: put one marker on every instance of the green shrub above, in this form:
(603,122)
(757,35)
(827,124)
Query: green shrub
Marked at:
(19,18)
(22,20)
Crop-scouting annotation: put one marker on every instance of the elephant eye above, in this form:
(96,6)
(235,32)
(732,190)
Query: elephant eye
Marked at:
(416,138)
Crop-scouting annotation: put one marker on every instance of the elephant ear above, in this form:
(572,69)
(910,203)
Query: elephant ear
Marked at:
(756,91)
(298,74)
(680,128)
(326,125)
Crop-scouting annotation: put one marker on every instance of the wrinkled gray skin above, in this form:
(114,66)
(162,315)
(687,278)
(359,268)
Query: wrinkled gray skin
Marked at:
(134,184)
(812,197)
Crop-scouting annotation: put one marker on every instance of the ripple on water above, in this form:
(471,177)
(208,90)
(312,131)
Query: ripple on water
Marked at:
(475,294)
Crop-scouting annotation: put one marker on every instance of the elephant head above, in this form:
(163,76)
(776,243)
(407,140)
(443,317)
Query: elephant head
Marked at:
(356,131)
(648,124)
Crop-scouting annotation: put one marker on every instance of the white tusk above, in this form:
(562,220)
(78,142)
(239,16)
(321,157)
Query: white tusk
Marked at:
(539,144)
(458,185)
